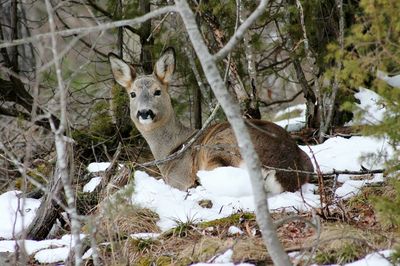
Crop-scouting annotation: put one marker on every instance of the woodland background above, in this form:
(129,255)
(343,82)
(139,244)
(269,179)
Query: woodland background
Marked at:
(56,86)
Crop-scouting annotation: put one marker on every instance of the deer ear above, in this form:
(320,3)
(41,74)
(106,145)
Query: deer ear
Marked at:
(165,66)
(123,73)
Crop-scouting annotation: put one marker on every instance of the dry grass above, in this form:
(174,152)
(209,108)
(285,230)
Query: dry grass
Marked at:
(340,241)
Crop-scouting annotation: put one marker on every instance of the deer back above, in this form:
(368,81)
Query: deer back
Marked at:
(274,146)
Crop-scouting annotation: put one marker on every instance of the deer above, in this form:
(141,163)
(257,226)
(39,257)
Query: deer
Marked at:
(153,115)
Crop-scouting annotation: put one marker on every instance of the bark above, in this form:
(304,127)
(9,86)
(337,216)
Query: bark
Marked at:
(63,147)
(311,101)
(49,211)
(146,39)
(232,112)
(252,110)
(197,107)
(329,100)
(197,90)
(312,119)
(248,105)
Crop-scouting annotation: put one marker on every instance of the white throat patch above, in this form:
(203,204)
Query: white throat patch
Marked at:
(146,121)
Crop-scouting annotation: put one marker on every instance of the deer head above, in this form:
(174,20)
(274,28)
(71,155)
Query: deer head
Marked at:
(150,103)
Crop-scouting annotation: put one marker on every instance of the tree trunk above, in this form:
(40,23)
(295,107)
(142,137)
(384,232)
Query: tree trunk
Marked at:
(197,107)
(312,118)
(248,104)
(48,212)
(232,112)
(146,39)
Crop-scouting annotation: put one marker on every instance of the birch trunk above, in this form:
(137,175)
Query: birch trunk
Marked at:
(232,112)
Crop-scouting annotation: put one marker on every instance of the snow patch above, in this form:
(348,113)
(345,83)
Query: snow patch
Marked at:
(295,123)
(370,104)
(344,154)
(351,188)
(11,208)
(226,181)
(174,205)
(393,81)
(92,184)
(145,235)
(233,230)
(376,258)
(98,167)
(52,255)
(224,258)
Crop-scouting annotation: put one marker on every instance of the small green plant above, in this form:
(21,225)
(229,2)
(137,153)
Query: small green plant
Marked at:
(387,205)
(396,255)
(347,253)
(182,228)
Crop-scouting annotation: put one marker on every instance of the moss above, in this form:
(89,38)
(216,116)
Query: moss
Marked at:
(230,220)
(86,202)
(101,123)
(292,114)
(396,255)
(204,249)
(120,109)
(151,260)
(41,171)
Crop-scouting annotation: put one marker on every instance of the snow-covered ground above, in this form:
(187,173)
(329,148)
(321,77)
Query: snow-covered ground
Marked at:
(227,188)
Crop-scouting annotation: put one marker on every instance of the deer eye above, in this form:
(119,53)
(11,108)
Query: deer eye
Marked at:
(133,94)
(157,93)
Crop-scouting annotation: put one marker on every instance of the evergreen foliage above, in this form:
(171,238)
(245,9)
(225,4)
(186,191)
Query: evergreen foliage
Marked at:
(372,47)
(371,50)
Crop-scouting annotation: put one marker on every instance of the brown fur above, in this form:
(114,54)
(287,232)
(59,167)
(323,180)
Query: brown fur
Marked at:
(273,144)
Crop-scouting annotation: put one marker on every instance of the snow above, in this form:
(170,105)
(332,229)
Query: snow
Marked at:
(12,222)
(370,110)
(294,123)
(98,167)
(235,181)
(344,154)
(233,230)
(52,255)
(393,81)
(351,188)
(47,251)
(224,258)
(92,184)
(376,258)
(174,205)
(145,235)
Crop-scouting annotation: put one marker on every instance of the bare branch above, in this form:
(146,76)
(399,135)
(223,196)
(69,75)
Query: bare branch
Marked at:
(86,30)
(62,147)
(240,31)
(282,101)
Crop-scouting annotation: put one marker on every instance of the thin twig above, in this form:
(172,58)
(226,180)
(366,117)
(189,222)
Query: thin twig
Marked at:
(241,31)
(157,26)
(87,30)
(282,101)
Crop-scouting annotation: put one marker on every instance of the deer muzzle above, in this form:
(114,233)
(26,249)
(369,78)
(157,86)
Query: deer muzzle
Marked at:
(145,116)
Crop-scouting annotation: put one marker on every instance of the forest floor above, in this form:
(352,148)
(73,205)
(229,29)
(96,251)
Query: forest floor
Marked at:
(334,221)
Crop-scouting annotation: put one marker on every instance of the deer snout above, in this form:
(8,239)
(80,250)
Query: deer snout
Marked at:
(145,114)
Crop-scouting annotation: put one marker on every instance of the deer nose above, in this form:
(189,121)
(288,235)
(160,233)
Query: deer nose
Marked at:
(145,114)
